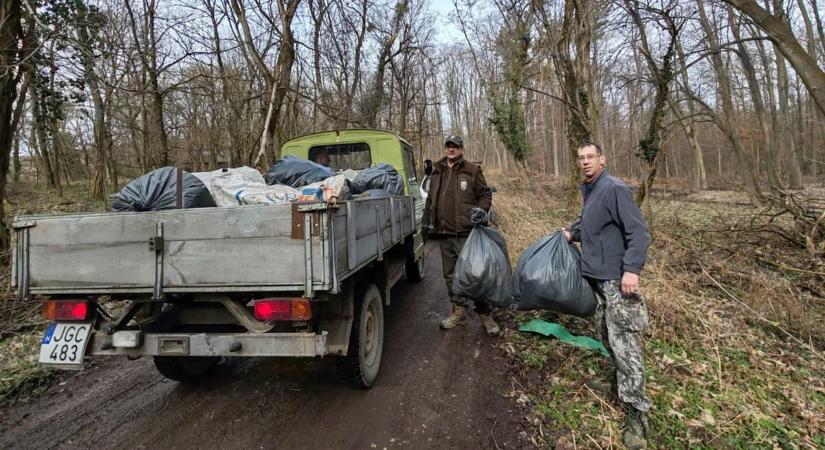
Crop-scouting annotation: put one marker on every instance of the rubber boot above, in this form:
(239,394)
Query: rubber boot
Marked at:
(490,325)
(457,317)
(635,434)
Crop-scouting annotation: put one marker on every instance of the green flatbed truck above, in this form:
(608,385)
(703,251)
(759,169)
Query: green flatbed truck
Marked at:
(195,285)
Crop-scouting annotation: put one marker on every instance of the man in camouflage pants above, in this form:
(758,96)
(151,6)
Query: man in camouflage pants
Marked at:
(614,239)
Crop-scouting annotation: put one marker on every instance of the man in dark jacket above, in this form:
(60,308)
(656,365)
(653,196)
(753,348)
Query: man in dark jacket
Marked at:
(457,186)
(614,239)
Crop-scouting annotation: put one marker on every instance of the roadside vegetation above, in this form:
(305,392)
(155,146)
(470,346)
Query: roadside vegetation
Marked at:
(734,352)
(21,326)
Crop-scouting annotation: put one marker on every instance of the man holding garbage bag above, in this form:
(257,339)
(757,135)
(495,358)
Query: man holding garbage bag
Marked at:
(457,186)
(614,239)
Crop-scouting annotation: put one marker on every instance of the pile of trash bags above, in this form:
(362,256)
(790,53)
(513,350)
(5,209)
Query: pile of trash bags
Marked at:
(548,276)
(289,179)
(482,271)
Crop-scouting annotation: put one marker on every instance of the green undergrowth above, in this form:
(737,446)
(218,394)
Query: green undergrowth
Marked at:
(20,375)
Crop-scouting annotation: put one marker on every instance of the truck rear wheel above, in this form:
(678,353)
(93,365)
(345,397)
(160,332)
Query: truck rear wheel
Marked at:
(415,270)
(366,344)
(186,369)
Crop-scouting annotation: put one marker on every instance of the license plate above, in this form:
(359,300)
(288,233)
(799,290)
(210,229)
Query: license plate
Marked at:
(64,344)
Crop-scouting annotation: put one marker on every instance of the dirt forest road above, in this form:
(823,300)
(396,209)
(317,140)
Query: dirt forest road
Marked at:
(435,390)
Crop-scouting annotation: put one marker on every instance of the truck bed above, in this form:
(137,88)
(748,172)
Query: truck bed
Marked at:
(299,247)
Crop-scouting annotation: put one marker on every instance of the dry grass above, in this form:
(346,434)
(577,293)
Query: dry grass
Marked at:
(734,350)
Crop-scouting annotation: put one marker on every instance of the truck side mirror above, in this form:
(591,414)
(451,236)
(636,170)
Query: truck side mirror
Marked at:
(428,167)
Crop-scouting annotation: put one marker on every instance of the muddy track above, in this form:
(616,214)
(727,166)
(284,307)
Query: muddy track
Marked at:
(435,390)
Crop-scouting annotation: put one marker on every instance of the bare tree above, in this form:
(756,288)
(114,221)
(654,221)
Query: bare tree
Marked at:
(570,47)
(374,99)
(661,76)
(146,43)
(727,122)
(15,42)
(780,32)
(278,78)
(768,151)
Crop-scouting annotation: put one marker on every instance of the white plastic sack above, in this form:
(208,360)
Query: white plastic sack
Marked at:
(350,174)
(246,186)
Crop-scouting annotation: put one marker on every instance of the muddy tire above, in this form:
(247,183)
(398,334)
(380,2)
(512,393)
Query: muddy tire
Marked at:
(415,270)
(186,369)
(366,343)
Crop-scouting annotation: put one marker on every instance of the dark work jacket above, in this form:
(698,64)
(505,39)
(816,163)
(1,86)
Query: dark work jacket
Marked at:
(453,193)
(611,229)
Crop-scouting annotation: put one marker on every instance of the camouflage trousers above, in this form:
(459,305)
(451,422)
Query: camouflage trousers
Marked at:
(620,322)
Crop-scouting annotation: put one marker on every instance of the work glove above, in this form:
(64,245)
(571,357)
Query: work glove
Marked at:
(478,216)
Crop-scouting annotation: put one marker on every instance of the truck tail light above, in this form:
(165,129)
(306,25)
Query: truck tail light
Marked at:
(65,309)
(288,309)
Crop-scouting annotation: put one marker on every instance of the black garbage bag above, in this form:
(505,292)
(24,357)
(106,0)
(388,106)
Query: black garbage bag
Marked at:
(482,271)
(375,193)
(296,172)
(157,190)
(548,276)
(379,176)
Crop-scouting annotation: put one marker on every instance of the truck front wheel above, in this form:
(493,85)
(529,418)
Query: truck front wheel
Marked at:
(366,342)
(186,369)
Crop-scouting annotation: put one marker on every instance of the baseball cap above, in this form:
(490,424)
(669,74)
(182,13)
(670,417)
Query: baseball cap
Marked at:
(455,140)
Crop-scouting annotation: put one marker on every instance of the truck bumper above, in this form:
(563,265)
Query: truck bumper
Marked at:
(215,344)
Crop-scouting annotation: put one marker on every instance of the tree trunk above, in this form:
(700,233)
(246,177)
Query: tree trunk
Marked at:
(375,98)
(728,120)
(785,128)
(14,45)
(43,143)
(781,34)
(576,77)
(102,134)
(278,80)
(16,120)
(766,149)
(811,118)
(662,75)
(154,128)
(772,160)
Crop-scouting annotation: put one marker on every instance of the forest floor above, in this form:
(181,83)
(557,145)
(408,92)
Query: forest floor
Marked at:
(734,352)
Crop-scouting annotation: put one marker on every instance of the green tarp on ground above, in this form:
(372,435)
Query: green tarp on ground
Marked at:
(548,329)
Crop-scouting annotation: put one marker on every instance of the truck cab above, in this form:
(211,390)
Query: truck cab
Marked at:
(359,149)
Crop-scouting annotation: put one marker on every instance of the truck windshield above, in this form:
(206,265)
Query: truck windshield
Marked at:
(355,156)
